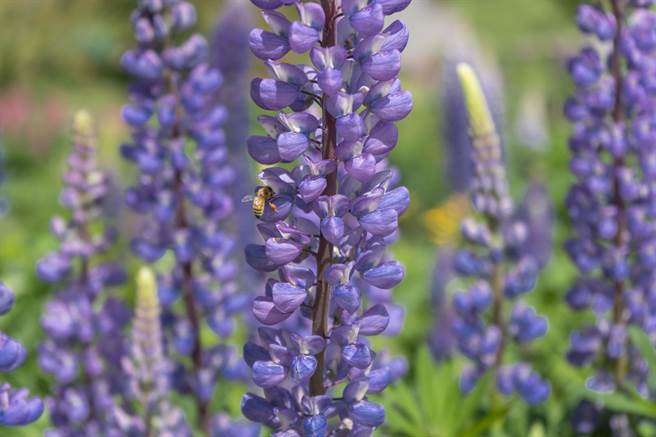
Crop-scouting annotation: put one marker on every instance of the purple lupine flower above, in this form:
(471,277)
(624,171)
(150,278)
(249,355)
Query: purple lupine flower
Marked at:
(147,371)
(611,202)
(83,322)
(331,217)
(183,193)
(498,272)
(16,407)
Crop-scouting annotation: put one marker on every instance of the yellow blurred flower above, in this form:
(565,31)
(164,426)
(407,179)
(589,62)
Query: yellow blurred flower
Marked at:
(443,221)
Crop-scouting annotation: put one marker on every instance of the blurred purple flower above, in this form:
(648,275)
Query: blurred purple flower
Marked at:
(610,203)
(497,269)
(184,191)
(82,321)
(147,371)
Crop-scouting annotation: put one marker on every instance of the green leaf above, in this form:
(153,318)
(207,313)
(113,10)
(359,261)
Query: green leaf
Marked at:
(488,421)
(622,403)
(641,340)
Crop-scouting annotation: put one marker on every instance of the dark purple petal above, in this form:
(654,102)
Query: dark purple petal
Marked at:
(368,413)
(263,149)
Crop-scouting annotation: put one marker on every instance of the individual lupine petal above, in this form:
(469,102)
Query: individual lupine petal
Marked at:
(12,354)
(384,65)
(257,258)
(16,409)
(593,20)
(7,299)
(347,297)
(350,127)
(393,107)
(146,65)
(263,149)
(315,426)
(267,374)
(367,20)
(357,355)
(291,145)
(586,68)
(54,267)
(265,311)
(303,367)
(281,251)
(273,94)
(393,6)
(362,167)
(287,298)
(302,35)
(333,228)
(374,320)
(367,413)
(257,409)
(526,325)
(311,188)
(380,222)
(386,275)
(529,385)
(267,45)
(183,15)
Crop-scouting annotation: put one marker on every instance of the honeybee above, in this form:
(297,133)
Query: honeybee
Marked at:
(260,199)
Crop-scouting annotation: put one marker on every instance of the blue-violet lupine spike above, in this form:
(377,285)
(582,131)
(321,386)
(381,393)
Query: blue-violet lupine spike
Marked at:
(610,204)
(497,271)
(83,322)
(332,214)
(183,193)
(148,371)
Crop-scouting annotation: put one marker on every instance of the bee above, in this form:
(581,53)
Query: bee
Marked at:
(261,197)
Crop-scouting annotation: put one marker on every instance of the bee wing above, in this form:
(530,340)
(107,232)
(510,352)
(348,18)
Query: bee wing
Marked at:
(247,198)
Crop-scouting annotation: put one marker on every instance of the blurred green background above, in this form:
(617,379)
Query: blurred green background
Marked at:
(58,56)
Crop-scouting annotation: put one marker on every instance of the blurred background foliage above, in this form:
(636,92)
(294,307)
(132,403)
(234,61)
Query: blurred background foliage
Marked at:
(57,56)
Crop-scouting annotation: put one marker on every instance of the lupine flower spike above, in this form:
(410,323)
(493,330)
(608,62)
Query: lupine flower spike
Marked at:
(485,324)
(178,146)
(611,202)
(148,371)
(83,323)
(331,216)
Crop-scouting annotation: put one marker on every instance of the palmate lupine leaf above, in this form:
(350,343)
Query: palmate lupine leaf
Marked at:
(431,404)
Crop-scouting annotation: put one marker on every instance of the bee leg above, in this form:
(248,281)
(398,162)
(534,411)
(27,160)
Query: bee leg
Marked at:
(273,206)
